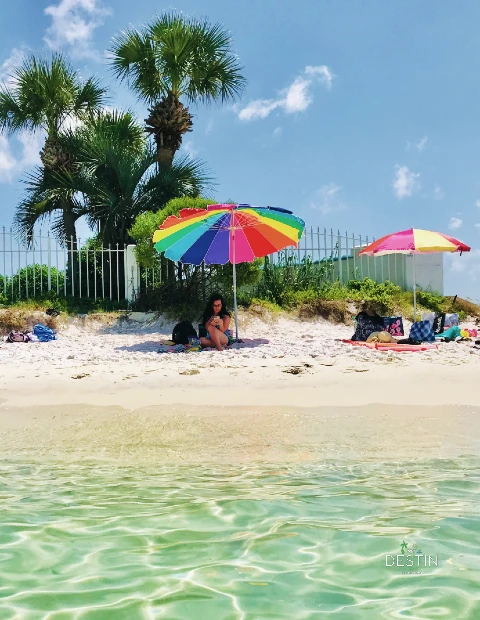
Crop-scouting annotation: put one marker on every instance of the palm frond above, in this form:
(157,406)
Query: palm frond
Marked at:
(180,56)
(133,59)
(45,93)
(44,198)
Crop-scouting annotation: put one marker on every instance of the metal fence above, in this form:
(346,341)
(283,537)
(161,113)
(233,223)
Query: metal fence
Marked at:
(44,265)
(111,273)
(340,251)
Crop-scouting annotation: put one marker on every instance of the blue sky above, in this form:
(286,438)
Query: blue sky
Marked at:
(358,116)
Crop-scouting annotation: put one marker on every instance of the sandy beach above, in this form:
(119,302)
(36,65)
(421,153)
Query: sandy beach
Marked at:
(291,390)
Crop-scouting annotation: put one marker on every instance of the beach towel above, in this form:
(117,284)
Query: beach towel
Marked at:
(44,333)
(422,330)
(170,347)
(398,348)
(450,334)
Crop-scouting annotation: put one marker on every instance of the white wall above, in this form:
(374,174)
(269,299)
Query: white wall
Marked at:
(398,268)
(428,272)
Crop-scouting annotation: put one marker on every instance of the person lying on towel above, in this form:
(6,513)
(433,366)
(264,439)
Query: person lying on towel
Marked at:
(216,320)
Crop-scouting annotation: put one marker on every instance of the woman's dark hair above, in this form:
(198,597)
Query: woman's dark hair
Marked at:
(208,312)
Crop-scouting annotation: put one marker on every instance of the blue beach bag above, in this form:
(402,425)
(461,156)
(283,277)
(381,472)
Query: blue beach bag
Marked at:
(423,331)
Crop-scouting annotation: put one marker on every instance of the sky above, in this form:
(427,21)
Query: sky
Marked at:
(357,116)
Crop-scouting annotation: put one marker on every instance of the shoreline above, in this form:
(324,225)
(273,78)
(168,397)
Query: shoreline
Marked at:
(233,435)
(317,384)
(298,395)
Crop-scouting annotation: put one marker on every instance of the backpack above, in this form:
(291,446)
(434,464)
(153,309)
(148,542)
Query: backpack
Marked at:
(182,331)
(17,337)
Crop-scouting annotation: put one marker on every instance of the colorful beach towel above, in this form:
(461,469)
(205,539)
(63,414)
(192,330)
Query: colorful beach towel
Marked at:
(379,346)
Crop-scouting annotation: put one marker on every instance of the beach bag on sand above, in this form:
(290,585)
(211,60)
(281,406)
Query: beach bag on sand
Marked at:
(393,325)
(422,330)
(43,333)
(182,331)
(451,320)
(17,337)
(437,319)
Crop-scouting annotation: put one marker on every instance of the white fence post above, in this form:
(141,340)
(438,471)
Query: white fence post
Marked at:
(132,274)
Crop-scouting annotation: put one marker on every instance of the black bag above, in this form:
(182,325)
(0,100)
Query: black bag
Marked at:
(439,323)
(182,331)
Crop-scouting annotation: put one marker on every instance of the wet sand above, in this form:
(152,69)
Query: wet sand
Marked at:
(198,434)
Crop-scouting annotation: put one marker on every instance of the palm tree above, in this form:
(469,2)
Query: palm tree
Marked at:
(47,96)
(171,59)
(114,180)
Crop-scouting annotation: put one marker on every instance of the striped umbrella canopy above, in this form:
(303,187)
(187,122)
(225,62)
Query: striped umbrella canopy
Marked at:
(223,233)
(414,241)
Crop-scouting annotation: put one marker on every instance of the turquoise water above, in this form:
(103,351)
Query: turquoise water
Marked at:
(96,541)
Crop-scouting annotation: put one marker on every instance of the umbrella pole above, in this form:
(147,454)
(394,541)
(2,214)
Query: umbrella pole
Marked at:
(234,284)
(414,291)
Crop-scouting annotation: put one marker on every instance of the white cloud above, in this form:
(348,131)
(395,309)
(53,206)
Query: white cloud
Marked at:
(295,98)
(10,166)
(467,262)
(455,223)
(190,149)
(7,161)
(209,128)
(477,226)
(405,182)
(277,132)
(73,24)
(421,144)
(16,58)
(322,73)
(477,203)
(328,199)
(438,193)
(32,144)
(260,108)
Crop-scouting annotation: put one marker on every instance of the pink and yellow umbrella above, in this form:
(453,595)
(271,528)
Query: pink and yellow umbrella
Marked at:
(414,241)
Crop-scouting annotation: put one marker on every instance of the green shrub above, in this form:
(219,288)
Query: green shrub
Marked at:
(147,223)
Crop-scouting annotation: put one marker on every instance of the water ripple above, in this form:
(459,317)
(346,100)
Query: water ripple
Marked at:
(93,540)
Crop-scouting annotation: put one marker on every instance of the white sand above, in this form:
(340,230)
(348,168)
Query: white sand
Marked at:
(119,365)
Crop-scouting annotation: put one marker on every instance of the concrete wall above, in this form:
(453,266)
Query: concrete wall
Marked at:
(428,272)
(397,268)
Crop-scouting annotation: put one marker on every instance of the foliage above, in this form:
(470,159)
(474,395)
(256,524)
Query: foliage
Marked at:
(46,94)
(281,282)
(178,55)
(115,178)
(69,305)
(185,298)
(148,222)
(28,282)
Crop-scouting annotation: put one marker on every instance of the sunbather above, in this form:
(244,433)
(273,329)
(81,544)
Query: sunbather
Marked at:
(216,319)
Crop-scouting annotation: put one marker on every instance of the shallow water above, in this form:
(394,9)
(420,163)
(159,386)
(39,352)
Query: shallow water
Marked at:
(93,541)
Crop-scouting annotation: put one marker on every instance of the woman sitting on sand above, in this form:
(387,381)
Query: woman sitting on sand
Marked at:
(216,319)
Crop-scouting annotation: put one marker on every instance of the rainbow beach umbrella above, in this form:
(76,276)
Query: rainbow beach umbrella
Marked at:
(224,233)
(414,241)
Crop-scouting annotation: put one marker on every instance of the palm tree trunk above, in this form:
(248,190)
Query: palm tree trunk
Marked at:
(169,120)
